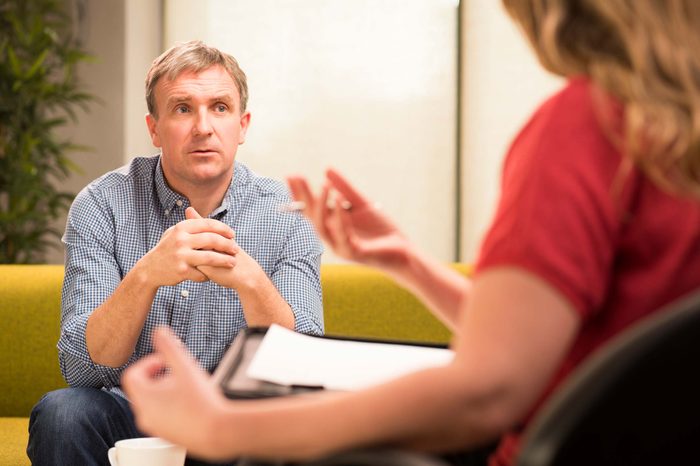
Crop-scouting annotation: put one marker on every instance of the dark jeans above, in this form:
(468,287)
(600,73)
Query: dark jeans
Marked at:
(76,426)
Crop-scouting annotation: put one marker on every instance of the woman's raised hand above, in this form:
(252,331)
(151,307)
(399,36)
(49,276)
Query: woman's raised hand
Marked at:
(354,227)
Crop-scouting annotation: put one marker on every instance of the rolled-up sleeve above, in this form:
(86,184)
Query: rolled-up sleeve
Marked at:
(297,276)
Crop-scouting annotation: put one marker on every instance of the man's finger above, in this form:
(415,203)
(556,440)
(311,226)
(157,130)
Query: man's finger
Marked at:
(211,258)
(197,276)
(191,213)
(213,242)
(201,225)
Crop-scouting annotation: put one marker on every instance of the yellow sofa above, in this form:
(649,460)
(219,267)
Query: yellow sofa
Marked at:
(358,302)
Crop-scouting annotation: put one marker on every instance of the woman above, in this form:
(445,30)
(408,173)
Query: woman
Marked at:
(598,226)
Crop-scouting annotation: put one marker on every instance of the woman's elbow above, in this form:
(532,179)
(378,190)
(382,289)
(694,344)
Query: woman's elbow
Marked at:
(494,405)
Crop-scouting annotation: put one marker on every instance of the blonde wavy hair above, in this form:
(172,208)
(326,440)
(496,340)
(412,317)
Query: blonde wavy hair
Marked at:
(644,52)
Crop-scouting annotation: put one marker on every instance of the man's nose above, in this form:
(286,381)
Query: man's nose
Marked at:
(202,125)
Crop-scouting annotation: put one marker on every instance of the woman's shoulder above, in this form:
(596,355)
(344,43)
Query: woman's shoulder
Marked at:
(576,126)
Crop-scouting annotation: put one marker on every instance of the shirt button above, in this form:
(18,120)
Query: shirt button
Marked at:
(167,212)
(179,203)
(184,293)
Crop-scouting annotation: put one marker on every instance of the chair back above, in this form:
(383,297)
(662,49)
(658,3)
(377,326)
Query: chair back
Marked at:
(636,401)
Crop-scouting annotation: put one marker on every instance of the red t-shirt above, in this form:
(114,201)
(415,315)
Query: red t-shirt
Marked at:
(612,243)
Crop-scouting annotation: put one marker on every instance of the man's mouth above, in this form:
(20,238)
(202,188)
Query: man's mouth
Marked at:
(203,151)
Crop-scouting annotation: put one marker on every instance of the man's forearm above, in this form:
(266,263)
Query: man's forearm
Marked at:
(263,305)
(114,328)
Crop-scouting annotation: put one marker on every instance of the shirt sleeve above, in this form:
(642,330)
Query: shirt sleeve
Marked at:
(560,211)
(297,277)
(91,276)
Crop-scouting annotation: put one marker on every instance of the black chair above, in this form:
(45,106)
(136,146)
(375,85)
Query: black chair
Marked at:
(635,402)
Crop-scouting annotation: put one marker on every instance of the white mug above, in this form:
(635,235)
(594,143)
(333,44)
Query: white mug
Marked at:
(146,451)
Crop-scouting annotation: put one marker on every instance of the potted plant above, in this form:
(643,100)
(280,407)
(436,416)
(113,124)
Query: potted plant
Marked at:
(39,93)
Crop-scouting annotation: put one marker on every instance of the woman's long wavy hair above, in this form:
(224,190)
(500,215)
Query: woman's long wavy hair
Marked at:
(644,52)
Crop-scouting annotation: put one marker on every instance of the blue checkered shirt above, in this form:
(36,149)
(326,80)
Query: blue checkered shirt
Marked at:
(119,217)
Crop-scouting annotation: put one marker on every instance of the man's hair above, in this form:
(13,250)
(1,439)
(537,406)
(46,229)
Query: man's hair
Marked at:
(645,53)
(193,56)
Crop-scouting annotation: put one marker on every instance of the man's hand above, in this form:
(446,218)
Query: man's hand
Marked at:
(194,242)
(243,276)
(188,245)
(246,274)
(262,303)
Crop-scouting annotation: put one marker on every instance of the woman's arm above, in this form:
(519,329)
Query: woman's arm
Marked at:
(357,229)
(513,336)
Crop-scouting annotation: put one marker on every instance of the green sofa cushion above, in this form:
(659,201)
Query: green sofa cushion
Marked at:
(30,302)
(13,433)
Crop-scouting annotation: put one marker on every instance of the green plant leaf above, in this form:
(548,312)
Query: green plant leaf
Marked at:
(14,62)
(39,94)
(36,66)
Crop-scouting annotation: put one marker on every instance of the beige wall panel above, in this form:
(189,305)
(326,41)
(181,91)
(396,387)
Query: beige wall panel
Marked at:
(367,86)
(502,84)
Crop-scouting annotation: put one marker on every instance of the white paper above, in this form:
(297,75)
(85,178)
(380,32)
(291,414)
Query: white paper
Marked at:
(289,358)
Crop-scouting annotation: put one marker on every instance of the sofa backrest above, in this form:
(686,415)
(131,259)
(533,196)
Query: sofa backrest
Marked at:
(358,302)
(362,302)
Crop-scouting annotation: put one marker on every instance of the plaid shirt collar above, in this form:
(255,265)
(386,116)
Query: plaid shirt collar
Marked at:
(169,198)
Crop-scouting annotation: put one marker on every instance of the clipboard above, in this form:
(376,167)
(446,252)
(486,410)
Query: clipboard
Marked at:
(231,373)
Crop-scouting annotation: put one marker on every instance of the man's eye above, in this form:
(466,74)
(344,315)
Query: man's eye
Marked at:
(181,109)
(221,108)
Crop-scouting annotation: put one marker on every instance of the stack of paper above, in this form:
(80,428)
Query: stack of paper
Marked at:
(289,358)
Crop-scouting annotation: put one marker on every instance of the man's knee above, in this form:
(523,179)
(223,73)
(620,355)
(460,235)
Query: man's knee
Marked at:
(77,426)
(68,408)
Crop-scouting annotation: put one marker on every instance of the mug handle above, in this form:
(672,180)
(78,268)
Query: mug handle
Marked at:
(112,455)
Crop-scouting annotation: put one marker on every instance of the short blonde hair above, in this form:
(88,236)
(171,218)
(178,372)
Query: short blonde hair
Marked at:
(193,56)
(646,53)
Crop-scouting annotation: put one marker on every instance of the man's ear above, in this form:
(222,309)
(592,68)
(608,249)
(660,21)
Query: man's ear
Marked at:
(152,130)
(245,122)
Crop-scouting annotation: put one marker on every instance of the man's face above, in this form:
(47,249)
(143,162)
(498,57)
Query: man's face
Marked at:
(198,128)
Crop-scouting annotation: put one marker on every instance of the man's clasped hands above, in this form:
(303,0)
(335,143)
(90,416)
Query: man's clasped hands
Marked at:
(200,249)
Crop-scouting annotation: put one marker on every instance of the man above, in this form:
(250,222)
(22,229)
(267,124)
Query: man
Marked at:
(188,238)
